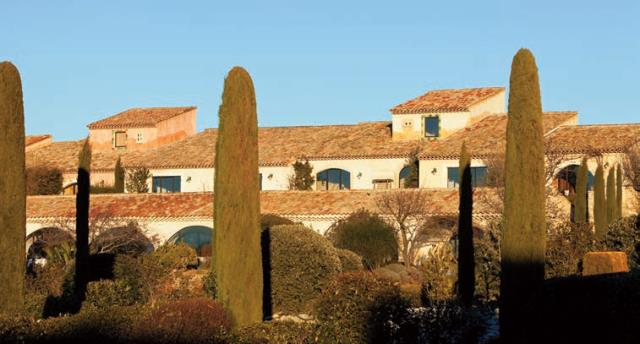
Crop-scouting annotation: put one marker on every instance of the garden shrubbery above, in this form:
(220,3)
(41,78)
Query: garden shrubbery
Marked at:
(176,256)
(43,180)
(360,308)
(567,243)
(302,263)
(276,332)
(368,235)
(624,235)
(195,320)
(349,260)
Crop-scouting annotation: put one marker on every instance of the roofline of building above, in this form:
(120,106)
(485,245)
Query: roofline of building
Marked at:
(95,125)
(459,109)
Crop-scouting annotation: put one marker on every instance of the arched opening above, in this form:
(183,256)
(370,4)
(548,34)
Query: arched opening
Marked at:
(48,243)
(333,179)
(198,237)
(408,178)
(566,180)
(127,239)
(70,189)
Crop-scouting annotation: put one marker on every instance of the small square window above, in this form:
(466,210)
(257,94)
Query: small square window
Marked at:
(432,126)
(139,138)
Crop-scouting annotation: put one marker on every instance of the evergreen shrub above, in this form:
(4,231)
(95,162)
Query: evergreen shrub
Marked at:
(176,256)
(42,180)
(624,235)
(360,308)
(368,235)
(349,260)
(302,263)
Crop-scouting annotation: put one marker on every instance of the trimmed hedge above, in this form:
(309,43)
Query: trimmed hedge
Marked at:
(368,235)
(349,260)
(302,262)
(360,308)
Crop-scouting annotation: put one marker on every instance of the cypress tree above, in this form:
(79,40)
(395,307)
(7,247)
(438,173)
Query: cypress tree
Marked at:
(524,233)
(237,254)
(466,262)
(12,191)
(81,277)
(611,196)
(119,177)
(599,203)
(619,192)
(581,201)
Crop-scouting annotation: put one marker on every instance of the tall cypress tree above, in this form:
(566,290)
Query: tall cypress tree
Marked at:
(524,233)
(81,277)
(12,191)
(599,203)
(619,192)
(118,184)
(581,201)
(611,196)
(466,262)
(237,260)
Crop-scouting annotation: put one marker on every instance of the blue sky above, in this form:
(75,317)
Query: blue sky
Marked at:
(317,62)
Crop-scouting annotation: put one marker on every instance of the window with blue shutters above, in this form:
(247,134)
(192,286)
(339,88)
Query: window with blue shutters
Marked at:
(166,184)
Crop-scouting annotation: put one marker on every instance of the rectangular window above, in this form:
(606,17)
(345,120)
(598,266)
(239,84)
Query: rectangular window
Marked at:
(166,184)
(139,138)
(382,184)
(432,126)
(120,139)
(478,176)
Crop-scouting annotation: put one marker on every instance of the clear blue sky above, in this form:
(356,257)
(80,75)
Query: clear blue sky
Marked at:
(315,63)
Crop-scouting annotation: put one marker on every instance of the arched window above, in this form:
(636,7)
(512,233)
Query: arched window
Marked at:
(198,237)
(405,174)
(567,177)
(41,242)
(333,179)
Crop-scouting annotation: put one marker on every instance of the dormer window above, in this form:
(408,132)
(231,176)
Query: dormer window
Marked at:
(432,126)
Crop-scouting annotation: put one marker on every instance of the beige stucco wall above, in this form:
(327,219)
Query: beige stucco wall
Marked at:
(362,171)
(434,173)
(170,130)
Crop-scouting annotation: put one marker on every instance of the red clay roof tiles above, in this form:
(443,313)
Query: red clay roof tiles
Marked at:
(487,136)
(139,117)
(180,205)
(446,100)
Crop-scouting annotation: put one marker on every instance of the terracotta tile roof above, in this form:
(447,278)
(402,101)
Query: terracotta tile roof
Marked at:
(64,156)
(602,138)
(139,117)
(279,146)
(487,136)
(180,205)
(32,139)
(446,100)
